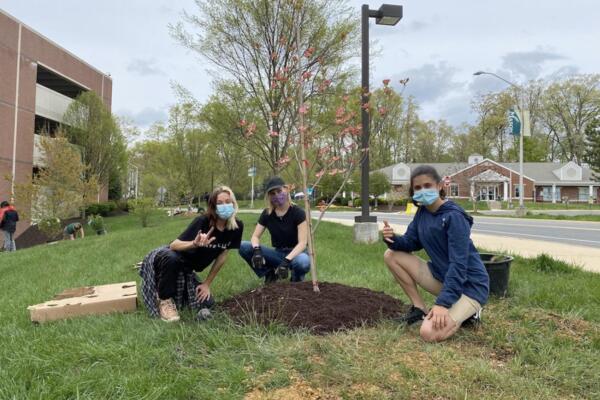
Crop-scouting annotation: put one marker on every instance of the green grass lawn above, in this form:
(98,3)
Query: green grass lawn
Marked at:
(542,342)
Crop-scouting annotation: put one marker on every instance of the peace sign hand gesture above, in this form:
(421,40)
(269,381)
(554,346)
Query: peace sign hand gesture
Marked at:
(204,239)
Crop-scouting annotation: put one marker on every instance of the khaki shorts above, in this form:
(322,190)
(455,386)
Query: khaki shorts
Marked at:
(464,308)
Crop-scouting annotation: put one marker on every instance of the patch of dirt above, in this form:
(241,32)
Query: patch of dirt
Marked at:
(367,390)
(572,328)
(33,237)
(337,307)
(298,390)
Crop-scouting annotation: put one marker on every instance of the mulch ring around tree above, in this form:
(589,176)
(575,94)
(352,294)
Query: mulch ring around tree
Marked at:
(295,305)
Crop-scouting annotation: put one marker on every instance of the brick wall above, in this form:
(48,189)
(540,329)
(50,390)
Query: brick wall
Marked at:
(34,49)
(464,184)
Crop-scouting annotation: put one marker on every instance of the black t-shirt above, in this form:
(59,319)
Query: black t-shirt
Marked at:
(201,257)
(284,229)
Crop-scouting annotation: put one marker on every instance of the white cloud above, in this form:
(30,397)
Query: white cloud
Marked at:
(144,67)
(529,64)
(429,82)
(146,116)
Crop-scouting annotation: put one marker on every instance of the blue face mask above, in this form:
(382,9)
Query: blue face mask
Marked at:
(225,211)
(426,196)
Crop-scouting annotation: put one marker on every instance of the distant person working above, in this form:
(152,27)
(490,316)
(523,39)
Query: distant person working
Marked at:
(71,230)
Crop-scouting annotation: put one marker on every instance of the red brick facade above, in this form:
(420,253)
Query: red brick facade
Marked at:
(34,49)
(462,178)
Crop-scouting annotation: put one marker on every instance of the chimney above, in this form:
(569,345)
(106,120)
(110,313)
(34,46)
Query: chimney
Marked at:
(475,159)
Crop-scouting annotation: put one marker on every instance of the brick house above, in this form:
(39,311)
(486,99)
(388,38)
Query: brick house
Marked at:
(490,180)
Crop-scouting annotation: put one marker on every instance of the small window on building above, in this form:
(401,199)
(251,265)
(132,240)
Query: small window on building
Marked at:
(517,191)
(453,190)
(547,193)
(584,193)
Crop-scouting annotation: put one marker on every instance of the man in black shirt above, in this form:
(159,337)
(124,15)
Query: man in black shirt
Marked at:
(288,228)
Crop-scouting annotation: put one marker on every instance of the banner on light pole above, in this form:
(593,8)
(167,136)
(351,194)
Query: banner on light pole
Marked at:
(519,121)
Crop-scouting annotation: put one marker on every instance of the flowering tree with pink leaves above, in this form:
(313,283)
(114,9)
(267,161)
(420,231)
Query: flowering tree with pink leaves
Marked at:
(283,77)
(260,60)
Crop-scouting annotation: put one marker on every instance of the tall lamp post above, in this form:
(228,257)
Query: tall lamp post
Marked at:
(519,90)
(365,227)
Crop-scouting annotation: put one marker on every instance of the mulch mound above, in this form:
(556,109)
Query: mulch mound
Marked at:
(295,305)
(32,236)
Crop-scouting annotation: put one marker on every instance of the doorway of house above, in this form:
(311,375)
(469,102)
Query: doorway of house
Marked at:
(488,192)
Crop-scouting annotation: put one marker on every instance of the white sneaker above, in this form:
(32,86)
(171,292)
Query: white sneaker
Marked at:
(168,310)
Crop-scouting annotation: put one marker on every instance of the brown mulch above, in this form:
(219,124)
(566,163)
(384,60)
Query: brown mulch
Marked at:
(33,237)
(295,305)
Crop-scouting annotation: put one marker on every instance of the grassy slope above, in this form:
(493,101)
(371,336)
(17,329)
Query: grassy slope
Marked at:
(541,342)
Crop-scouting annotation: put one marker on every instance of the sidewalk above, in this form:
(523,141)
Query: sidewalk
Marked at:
(587,258)
(568,213)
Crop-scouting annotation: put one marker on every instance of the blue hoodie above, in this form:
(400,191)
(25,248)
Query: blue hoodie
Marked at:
(445,236)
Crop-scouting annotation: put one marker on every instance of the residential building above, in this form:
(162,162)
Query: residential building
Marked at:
(489,180)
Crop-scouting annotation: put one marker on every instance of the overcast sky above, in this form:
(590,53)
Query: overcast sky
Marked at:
(438,45)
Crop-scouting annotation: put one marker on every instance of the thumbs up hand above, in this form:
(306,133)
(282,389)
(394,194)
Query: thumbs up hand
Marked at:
(388,232)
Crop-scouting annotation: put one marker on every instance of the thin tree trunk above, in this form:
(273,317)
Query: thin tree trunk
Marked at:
(303,169)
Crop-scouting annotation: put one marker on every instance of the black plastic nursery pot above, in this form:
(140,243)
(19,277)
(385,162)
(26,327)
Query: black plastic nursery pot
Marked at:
(498,268)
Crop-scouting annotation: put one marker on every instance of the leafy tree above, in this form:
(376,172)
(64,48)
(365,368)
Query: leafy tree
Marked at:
(329,185)
(62,187)
(592,155)
(379,184)
(492,125)
(568,106)
(221,120)
(535,149)
(386,121)
(89,124)
(254,46)
(189,144)
(433,141)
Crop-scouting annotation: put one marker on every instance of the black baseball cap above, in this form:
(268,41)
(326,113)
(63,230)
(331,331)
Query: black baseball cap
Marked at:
(274,182)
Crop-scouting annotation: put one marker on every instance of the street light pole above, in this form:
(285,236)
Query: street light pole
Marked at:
(386,15)
(521,107)
(364,179)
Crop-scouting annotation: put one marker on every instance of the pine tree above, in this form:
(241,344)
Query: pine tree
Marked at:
(592,144)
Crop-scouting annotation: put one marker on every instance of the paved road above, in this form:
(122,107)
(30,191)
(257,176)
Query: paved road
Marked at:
(566,232)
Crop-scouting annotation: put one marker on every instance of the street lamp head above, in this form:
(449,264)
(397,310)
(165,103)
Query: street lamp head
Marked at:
(388,14)
(479,73)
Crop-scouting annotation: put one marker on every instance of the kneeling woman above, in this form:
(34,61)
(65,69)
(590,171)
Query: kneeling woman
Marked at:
(288,228)
(206,240)
(455,274)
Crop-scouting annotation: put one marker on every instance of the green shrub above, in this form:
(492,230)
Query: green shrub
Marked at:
(102,209)
(122,205)
(50,227)
(142,208)
(358,202)
(545,263)
(96,222)
(401,202)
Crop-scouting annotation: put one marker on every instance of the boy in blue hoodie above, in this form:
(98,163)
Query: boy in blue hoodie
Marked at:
(455,274)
